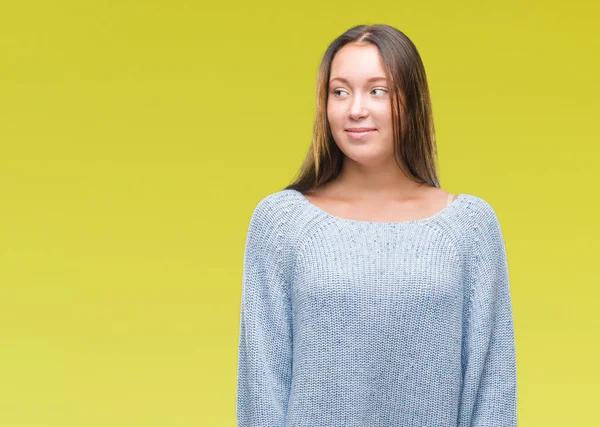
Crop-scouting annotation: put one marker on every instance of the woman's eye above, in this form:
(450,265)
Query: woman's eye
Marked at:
(337,91)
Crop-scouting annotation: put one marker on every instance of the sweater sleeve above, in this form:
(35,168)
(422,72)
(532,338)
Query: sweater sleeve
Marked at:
(489,388)
(265,340)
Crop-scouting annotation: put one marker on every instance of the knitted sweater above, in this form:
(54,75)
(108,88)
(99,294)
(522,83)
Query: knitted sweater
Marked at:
(357,323)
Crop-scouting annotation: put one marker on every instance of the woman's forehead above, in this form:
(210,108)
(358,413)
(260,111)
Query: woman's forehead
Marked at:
(357,62)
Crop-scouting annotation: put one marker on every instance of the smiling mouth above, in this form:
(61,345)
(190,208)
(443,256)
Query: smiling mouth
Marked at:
(359,134)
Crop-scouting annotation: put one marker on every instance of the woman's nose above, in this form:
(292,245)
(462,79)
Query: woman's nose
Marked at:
(357,108)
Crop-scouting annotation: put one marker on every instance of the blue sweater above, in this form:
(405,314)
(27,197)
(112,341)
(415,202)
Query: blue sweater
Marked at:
(357,323)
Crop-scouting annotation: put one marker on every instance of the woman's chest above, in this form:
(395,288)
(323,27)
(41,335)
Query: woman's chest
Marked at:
(415,266)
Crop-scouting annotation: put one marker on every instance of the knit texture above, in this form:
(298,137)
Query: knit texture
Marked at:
(357,323)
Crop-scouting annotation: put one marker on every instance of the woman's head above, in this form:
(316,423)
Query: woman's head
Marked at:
(397,106)
(358,98)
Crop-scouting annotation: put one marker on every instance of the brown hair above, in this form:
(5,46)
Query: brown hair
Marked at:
(415,148)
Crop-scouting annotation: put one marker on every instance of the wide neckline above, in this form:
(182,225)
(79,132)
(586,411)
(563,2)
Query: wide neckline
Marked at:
(425,220)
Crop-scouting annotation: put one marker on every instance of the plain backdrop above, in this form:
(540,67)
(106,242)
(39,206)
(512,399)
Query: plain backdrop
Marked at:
(136,138)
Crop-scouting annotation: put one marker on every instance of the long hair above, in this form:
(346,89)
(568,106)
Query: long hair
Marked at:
(415,149)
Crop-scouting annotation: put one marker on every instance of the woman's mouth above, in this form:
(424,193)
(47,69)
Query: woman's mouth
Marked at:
(359,133)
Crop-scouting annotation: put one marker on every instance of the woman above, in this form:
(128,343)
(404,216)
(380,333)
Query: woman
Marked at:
(370,296)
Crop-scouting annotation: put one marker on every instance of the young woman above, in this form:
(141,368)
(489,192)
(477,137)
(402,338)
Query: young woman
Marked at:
(370,296)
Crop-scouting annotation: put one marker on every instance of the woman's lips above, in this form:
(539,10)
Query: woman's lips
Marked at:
(359,134)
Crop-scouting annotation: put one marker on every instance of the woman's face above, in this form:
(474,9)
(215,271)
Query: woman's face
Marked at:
(358,104)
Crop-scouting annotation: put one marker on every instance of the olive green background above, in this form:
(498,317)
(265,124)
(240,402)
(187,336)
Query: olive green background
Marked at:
(136,138)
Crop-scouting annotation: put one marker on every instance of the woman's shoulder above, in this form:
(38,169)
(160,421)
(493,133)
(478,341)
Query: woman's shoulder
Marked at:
(481,221)
(273,213)
(276,204)
(478,208)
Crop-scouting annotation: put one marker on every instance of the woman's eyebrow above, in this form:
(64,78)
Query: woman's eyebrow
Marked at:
(372,79)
